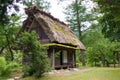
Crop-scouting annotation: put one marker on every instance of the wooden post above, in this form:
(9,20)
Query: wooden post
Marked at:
(73,62)
(75,58)
(53,59)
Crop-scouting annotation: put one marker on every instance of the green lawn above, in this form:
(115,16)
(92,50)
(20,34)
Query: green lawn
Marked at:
(93,74)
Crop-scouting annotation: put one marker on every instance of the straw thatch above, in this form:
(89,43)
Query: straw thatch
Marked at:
(55,30)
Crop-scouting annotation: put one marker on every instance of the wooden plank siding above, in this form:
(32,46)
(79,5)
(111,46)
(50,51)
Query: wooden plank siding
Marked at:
(58,58)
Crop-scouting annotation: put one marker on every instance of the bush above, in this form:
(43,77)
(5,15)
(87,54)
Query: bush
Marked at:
(18,57)
(13,65)
(35,54)
(5,69)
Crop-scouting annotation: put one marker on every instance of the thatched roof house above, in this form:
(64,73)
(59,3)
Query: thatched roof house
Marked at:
(53,33)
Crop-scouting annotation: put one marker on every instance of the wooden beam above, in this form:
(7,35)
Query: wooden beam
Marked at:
(53,58)
(73,62)
(61,45)
(75,58)
(31,25)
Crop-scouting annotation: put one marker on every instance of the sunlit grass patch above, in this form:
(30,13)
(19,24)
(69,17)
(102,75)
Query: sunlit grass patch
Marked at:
(93,74)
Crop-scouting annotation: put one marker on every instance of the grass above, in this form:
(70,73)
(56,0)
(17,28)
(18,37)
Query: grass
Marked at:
(93,74)
(14,73)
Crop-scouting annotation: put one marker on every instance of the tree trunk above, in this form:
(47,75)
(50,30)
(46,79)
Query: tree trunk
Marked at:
(114,59)
(118,59)
(9,47)
(78,22)
(107,64)
(2,50)
(82,58)
(103,59)
(95,63)
(8,43)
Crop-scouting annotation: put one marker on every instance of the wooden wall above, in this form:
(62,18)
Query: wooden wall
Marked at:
(58,57)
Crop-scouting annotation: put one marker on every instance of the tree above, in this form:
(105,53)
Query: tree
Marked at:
(41,4)
(74,13)
(35,60)
(7,34)
(8,27)
(6,5)
(76,16)
(9,24)
(111,18)
(99,50)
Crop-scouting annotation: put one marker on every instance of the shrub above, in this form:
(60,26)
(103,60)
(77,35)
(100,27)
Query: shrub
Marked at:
(18,57)
(13,65)
(36,55)
(5,69)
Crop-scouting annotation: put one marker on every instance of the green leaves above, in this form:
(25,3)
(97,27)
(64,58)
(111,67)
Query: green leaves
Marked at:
(99,49)
(41,4)
(71,14)
(111,18)
(5,69)
(36,55)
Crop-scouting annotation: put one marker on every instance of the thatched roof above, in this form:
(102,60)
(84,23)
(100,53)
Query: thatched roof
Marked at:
(56,30)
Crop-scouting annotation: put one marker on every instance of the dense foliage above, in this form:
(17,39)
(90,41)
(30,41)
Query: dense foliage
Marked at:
(10,24)
(36,55)
(7,36)
(111,18)
(99,50)
(41,4)
(6,67)
(9,27)
(75,15)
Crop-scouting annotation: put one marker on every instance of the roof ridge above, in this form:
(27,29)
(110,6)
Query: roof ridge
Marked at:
(34,9)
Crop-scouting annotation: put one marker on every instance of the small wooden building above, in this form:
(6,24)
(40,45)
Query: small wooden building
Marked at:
(53,33)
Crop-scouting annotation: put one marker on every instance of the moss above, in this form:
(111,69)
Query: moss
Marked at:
(71,41)
(58,28)
(60,45)
(65,33)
